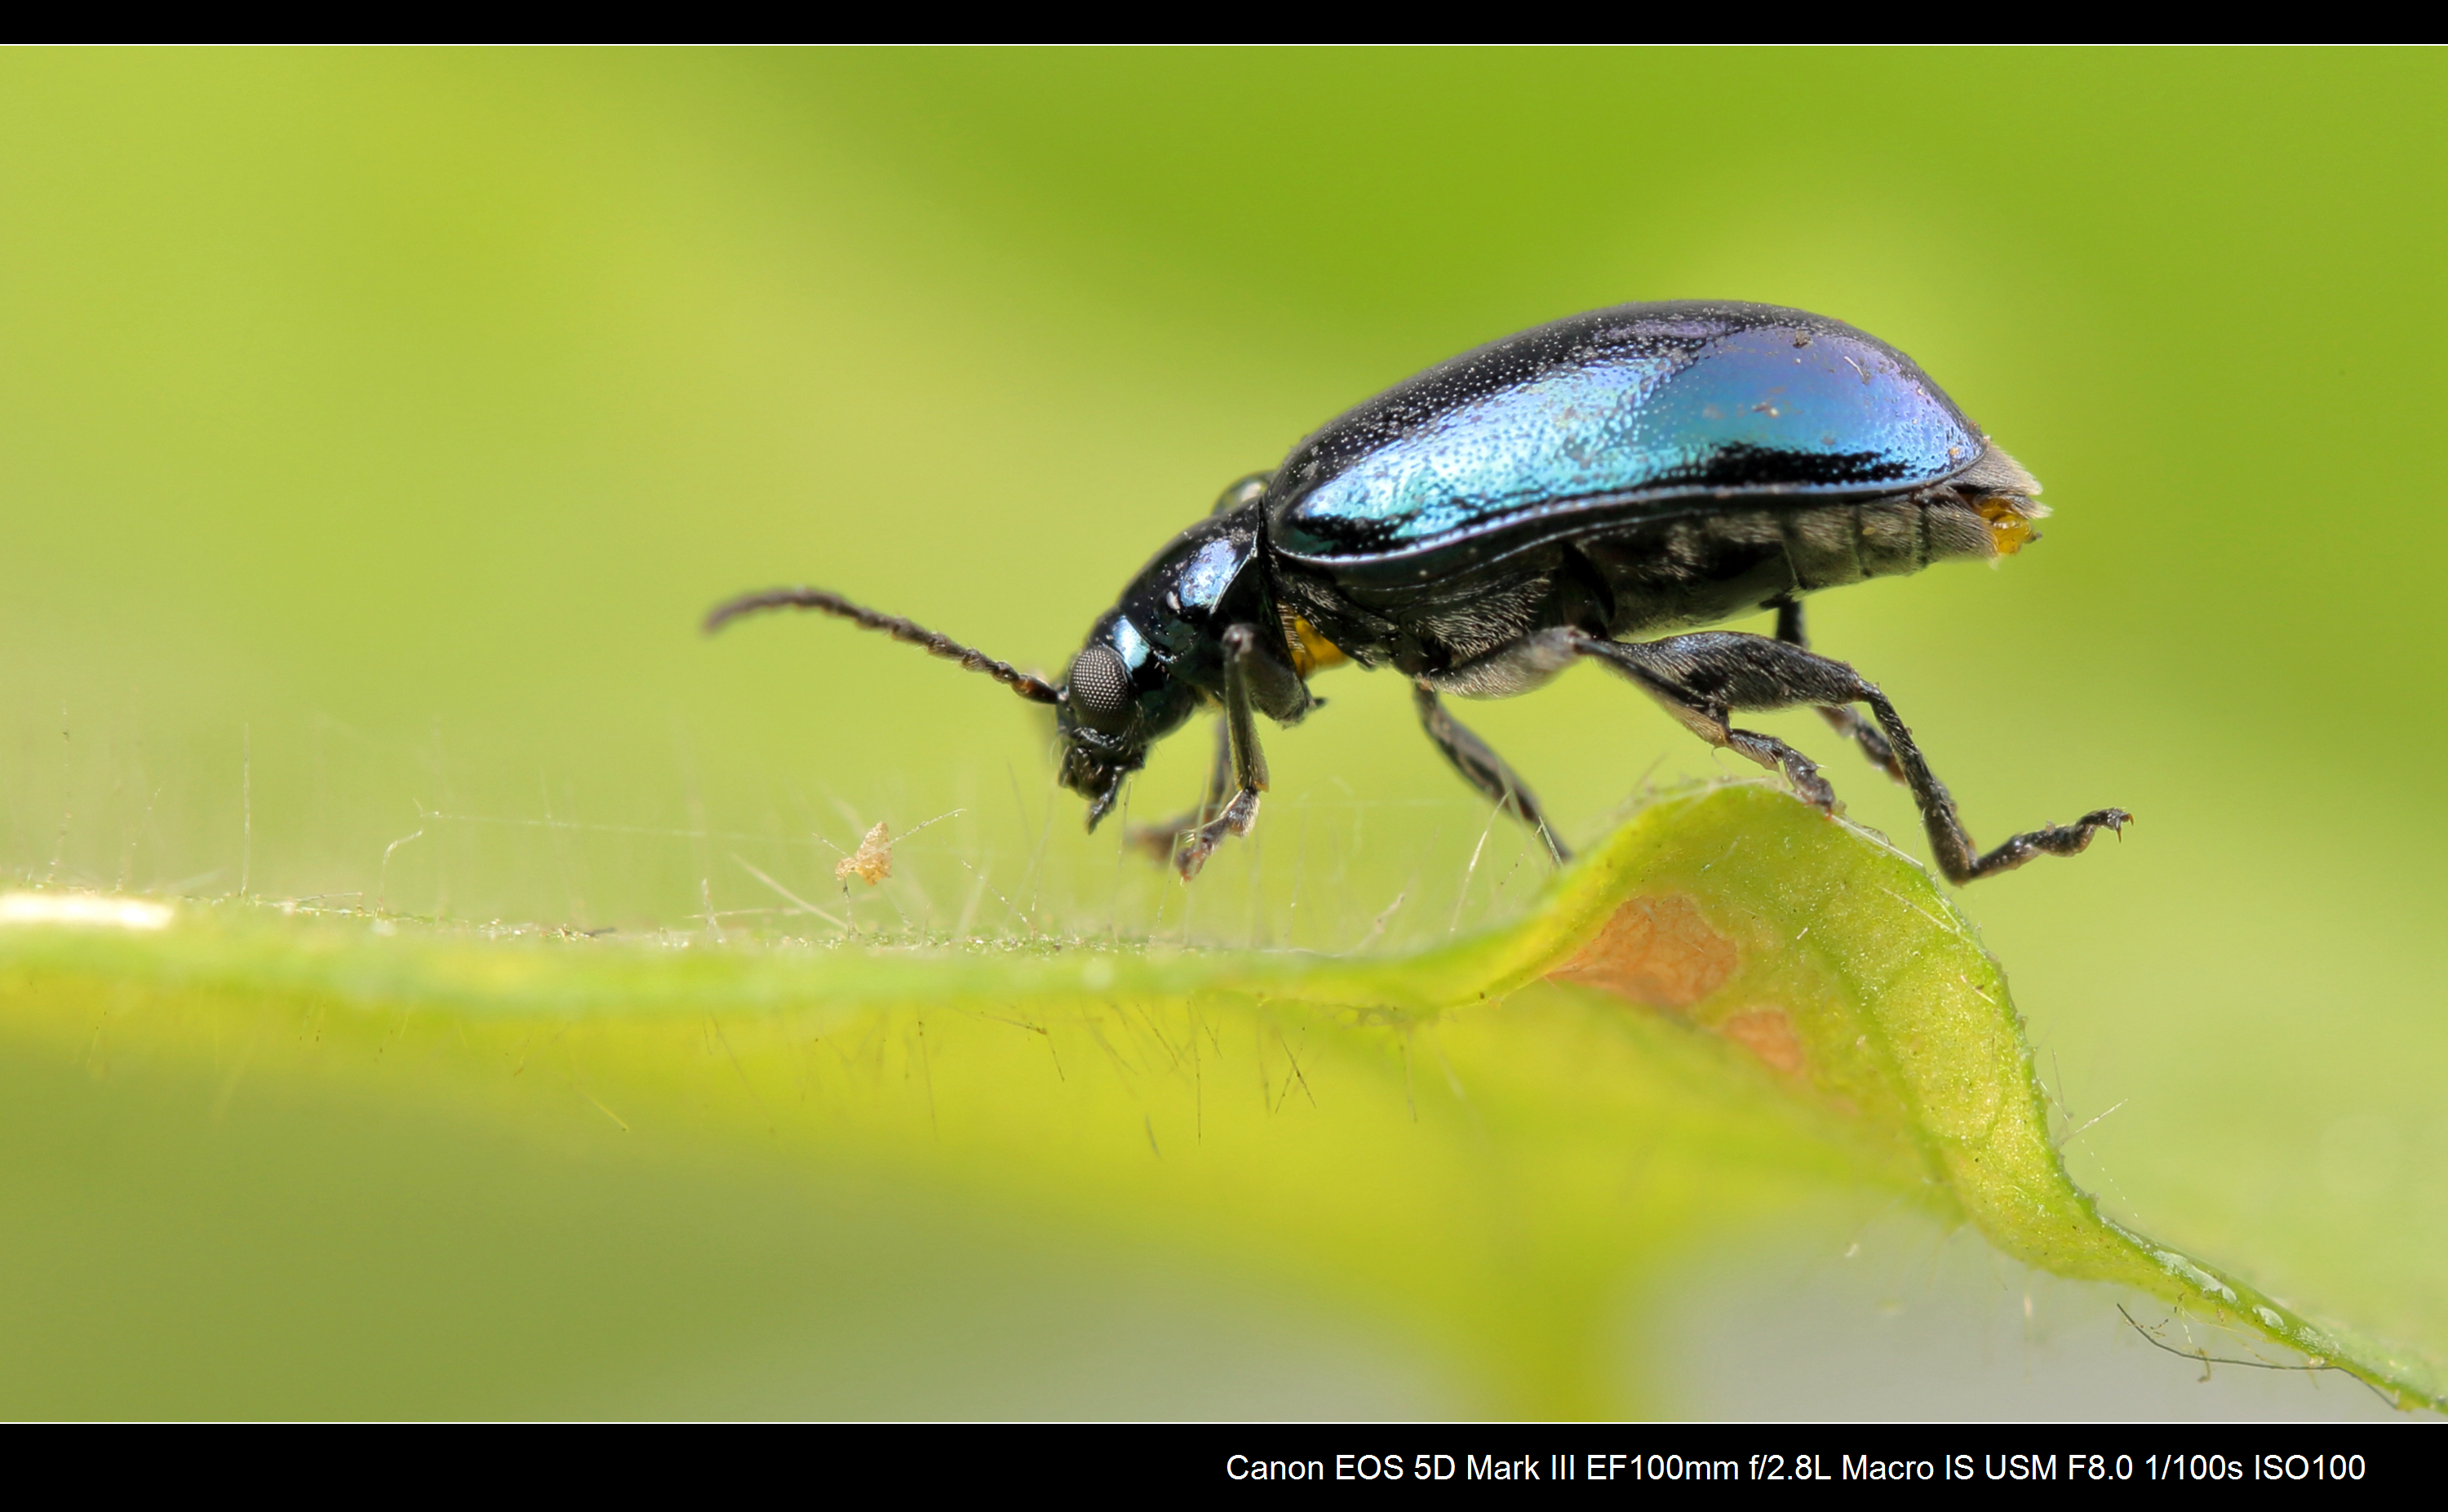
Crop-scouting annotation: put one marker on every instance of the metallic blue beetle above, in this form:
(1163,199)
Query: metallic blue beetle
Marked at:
(1624,474)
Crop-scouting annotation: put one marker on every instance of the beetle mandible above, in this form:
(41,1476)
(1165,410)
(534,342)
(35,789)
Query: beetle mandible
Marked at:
(1557,494)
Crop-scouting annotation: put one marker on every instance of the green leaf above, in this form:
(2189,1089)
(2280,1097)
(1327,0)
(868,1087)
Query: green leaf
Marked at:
(1730,1005)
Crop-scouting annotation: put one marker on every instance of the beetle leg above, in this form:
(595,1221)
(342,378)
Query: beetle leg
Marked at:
(1161,840)
(1241,742)
(1483,769)
(1702,678)
(1846,723)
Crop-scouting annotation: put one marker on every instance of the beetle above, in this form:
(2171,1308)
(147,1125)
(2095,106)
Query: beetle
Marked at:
(1600,486)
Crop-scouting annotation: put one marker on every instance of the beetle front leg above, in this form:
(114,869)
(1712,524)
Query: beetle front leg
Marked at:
(1702,678)
(1483,769)
(1162,840)
(1241,667)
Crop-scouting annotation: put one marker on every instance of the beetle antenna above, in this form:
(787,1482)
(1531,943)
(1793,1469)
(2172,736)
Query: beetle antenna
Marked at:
(1037,690)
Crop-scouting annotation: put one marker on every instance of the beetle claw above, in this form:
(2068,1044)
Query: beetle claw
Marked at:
(1198,845)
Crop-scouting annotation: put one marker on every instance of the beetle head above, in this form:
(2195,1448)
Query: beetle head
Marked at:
(1158,653)
(1120,699)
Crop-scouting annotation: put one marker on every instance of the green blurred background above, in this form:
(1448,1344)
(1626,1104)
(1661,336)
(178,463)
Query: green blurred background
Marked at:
(375,427)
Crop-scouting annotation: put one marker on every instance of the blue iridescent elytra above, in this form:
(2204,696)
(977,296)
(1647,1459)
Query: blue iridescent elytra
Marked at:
(1585,491)
(1643,402)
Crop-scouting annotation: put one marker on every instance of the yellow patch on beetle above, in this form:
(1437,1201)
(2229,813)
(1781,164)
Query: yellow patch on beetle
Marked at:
(1312,652)
(2010,523)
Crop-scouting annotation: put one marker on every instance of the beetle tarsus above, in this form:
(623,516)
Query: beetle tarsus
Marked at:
(1799,770)
(2055,839)
(1164,842)
(1199,844)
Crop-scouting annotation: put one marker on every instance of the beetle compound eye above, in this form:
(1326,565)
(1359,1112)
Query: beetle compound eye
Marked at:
(1100,683)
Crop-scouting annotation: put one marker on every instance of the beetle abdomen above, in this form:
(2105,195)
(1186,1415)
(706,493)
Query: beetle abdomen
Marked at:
(1699,568)
(1614,414)
(1647,576)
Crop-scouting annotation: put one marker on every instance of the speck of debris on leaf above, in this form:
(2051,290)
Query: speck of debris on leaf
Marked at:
(873,861)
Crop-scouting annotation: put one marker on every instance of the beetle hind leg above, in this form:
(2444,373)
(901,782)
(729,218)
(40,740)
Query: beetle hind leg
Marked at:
(1863,732)
(1702,678)
(1957,856)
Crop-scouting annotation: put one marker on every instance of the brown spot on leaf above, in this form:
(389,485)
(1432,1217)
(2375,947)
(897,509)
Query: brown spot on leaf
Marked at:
(873,861)
(1768,1034)
(1657,952)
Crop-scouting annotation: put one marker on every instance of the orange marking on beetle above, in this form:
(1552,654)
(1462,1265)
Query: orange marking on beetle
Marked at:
(2010,528)
(1312,652)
